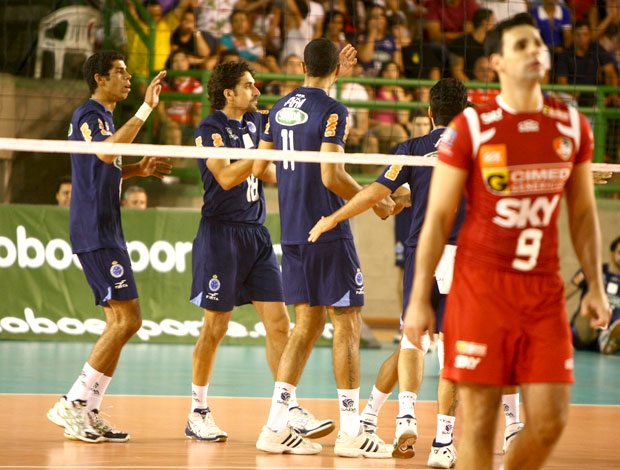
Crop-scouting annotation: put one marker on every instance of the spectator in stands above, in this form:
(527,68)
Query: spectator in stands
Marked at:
(292,66)
(583,63)
(228,56)
(63,192)
(298,30)
(316,17)
(135,198)
(504,9)
(585,10)
(188,38)
(554,22)
(354,15)
(265,18)
(378,46)
(610,18)
(609,40)
(137,51)
(449,19)
(179,118)
(246,44)
(422,59)
(483,72)
(387,127)
(213,16)
(333,28)
(467,49)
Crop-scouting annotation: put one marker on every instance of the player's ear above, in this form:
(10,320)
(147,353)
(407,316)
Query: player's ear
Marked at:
(337,70)
(99,79)
(303,67)
(228,94)
(495,61)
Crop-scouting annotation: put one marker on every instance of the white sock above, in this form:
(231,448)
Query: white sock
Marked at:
(278,414)
(406,404)
(376,401)
(511,408)
(292,402)
(349,410)
(199,397)
(81,387)
(445,426)
(97,391)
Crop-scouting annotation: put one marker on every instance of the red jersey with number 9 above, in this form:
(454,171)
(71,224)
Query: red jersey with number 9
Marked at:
(518,165)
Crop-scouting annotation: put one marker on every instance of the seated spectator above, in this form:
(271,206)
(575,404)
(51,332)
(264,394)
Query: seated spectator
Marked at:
(484,73)
(583,63)
(213,16)
(292,66)
(179,119)
(265,18)
(63,192)
(504,9)
(246,44)
(555,25)
(358,117)
(449,19)
(584,337)
(377,46)
(135,198)
(137,51)
(188,38)
(333,28)
(354,14)
(387,126)
(422,59)
(466,50)
(609,40)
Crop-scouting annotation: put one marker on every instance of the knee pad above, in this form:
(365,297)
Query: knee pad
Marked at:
(406,344)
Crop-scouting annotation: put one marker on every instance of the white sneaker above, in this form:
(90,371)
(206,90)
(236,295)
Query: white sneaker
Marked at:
(306,425)
(406,436)
(609,339)
(105,429)
(369,421)
(201,426)
(74,417)
(287,441)
(442,456)
(510,433)
(365,444)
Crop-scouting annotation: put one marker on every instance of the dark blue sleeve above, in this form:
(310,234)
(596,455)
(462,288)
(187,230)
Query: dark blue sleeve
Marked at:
(92,127)
(336,125)
(208,135)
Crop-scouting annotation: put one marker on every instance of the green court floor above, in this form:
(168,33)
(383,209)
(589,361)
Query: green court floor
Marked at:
(165,369)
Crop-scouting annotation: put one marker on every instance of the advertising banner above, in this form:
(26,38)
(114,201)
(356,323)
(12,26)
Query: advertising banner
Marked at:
(45,295)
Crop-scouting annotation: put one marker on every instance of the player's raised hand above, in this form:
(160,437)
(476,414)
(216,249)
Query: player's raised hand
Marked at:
(595,305)
(419,318)
(155,166)
(348,58)
(151,96)
(322,226)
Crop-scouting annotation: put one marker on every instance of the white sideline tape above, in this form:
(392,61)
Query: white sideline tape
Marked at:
(182,151)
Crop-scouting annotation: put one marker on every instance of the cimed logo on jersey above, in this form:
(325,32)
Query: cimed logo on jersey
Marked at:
(291,117)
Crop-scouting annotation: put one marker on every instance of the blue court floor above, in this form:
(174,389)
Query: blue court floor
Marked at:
(241,371)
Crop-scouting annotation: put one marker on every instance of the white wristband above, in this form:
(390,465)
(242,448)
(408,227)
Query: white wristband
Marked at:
(144,112)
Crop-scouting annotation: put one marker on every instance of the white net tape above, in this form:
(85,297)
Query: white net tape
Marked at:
(180,151)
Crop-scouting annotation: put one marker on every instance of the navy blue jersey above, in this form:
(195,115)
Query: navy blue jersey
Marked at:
(419,179)
(245,202)
(95,217)
(303,120)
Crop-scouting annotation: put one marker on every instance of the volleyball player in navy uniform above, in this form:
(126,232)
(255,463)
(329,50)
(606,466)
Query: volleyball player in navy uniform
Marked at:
(233,261)
(317,278)
(97,238)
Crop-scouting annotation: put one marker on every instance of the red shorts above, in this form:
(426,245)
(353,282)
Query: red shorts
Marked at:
(504,328)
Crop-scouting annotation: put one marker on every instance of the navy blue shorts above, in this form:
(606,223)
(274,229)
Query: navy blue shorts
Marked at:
(233,264)
(438,300)
(402,225)
(109,274)
(323,274)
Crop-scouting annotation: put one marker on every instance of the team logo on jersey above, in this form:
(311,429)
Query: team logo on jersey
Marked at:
(217,140)
(529,125)
(497,180)
(491,116)
(231,134)
(214,284)
(198,141)
(448,136)
(116,270)
(105,129)
(295,101)
(392,172)
(291,117)
(251,127)
(359,277)
(86,133)
(118,162)
(332,123)
(70,130)
(493,161)
(563,146)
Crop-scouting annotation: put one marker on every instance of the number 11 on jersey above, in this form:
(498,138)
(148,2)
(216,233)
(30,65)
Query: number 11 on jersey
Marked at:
(288,144)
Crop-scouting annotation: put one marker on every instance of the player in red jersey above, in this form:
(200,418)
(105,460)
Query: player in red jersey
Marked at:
(505,319)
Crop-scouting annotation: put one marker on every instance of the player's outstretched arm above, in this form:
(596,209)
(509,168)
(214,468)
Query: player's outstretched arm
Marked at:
(229,175)
(586,238)
(362,201)
(148,166)
(128,132)
(264,169)
(445,195)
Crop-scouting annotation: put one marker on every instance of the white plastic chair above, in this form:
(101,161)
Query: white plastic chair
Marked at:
(79,37)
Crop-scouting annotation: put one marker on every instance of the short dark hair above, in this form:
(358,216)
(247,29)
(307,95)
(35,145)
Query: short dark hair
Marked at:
(494,43)
(99,63)
(321,57)
(614,244)
(66,179)
(448,98)
(480,15)
(581,24)
(225,77)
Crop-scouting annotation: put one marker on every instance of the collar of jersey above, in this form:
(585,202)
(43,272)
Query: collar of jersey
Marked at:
(101,105)
(502,104)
